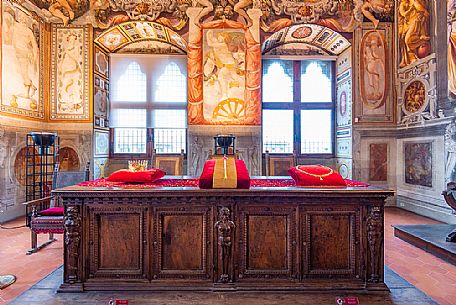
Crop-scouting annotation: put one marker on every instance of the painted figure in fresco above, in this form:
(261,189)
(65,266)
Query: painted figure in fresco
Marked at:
(69,78)
(62,8)
(413,30)
(222,60)
(18,32)
(373,6)
(375,67)
(240,9)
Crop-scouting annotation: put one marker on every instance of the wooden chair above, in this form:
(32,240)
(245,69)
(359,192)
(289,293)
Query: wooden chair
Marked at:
(47,213)
(172,164)
(278,165)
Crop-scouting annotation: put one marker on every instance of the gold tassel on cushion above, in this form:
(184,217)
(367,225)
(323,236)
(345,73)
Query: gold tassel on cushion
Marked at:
(225,175)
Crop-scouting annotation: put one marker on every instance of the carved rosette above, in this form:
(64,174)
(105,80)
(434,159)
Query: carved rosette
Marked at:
(225,228)
(375,240)
(72,224)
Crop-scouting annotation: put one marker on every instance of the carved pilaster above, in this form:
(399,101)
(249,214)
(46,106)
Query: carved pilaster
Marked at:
(225,228)
(73,231)
(375,240)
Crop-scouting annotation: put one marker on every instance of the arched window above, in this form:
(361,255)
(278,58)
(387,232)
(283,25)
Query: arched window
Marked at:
(129,85)
(171,85)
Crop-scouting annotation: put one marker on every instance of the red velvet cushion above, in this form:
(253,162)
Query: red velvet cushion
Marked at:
(57,211)
(316,176)
(147,176)
(206,179)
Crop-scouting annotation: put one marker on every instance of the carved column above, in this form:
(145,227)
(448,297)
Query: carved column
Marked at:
(225,228)
(375,241)
(73,233)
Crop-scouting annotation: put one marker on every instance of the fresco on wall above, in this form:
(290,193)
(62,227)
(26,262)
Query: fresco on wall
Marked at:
(21,63)
(70,74)
(418,163)
(224,75)
(69,159)
(373,101)
(413,31)
(344,99)
(415,97)
(99,167)
(373,71)
(378,162)
(452,48)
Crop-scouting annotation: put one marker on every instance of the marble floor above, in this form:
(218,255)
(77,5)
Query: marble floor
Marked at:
(433,276)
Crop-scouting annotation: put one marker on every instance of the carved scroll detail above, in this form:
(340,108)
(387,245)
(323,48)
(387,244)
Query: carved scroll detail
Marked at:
(375,239)
(225,228)
(72,224)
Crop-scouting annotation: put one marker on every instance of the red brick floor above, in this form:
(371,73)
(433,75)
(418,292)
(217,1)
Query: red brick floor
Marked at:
(432,275)
(28,269)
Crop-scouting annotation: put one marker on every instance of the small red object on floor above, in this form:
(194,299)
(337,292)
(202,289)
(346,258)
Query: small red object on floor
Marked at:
(121,302)
(347,301)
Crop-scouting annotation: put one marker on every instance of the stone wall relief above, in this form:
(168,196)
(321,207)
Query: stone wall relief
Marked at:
(417,91)
(450,152)
(22,62)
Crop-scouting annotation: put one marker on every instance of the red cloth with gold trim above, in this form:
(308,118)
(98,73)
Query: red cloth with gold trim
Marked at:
(147,176)
(316,176)
(224,173)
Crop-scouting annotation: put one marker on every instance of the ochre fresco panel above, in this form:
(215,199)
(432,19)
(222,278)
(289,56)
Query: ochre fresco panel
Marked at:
(21,63)
(452,48)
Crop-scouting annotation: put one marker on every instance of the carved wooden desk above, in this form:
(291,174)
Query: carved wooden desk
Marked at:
(275,238)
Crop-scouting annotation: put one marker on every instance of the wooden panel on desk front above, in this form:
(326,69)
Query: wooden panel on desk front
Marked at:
(183,247)
(267,242)
(119,241)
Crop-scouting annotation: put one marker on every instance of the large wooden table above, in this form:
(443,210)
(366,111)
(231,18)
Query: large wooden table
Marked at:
(184,238)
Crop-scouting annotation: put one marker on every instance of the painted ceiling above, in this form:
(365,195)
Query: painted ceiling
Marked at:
(341,15)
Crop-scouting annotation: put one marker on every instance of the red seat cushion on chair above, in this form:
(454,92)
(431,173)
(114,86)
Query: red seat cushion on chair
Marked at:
(147,176)
(56,211)
(316,176)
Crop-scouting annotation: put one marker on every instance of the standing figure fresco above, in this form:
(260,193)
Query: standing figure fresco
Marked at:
(413,31)
(21,62)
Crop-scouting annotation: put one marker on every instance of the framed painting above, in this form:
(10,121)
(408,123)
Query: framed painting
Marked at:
(418,163)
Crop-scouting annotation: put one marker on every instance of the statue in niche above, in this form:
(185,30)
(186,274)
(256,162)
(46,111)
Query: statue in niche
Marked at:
(413,31)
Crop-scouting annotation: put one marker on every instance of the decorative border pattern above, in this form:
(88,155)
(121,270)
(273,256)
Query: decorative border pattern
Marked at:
(320,37)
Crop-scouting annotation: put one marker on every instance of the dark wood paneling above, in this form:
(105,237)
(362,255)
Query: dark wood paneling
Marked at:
(267,240)
(332,243)
(120,241)
(183,243)
(118,237)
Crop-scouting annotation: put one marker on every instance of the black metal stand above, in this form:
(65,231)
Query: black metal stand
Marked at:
(42,153)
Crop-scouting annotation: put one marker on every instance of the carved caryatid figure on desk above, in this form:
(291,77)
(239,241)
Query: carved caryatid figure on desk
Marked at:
(224,228)
(450,197)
